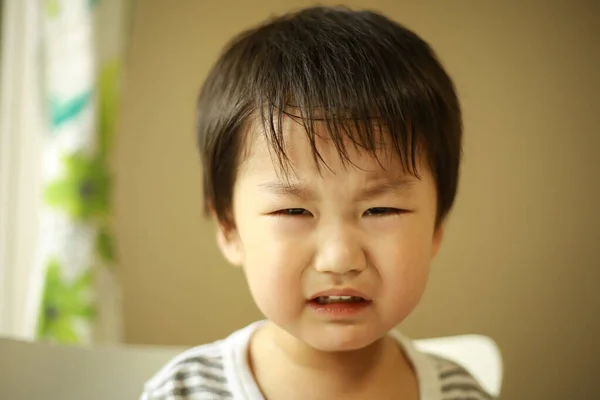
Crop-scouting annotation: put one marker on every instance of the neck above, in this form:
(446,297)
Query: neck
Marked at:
(343,369)
(351,365)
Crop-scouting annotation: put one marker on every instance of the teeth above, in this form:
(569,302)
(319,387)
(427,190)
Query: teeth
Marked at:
(338,299)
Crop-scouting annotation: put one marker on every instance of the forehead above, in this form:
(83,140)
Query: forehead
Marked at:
(297,155)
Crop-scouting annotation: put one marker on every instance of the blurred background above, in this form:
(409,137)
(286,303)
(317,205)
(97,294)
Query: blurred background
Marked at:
(102,234)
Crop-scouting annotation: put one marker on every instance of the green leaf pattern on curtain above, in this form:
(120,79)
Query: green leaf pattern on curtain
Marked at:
(65,304)
(76,237)
(83,191)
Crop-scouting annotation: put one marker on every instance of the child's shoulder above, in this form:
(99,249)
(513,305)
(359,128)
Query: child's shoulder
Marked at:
(455,382)
(197,370)
(439,377)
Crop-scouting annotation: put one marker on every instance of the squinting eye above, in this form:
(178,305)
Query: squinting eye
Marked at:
(382,211)
(293,212)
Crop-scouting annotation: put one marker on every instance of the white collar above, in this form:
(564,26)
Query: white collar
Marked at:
(243,385)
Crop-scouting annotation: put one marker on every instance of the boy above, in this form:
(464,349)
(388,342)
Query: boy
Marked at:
(330,142)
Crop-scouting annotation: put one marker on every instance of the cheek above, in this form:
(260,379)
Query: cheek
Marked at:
(403,262)
(273,266)
(407,285)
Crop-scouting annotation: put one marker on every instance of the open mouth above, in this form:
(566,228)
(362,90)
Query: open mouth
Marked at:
(322,300)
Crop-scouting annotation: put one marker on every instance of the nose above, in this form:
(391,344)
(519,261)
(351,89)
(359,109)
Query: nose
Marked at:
(340,252)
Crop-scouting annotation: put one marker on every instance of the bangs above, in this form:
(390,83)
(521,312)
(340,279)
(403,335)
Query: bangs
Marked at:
(360,88)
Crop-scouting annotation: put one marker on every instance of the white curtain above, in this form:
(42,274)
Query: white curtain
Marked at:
(60,90)
(21,132)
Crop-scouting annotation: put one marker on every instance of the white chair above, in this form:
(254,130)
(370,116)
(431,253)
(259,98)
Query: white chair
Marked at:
(32,370)
(478,354)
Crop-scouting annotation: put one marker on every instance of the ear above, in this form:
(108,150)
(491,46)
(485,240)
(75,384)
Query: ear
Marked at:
(438,235)
(230,244)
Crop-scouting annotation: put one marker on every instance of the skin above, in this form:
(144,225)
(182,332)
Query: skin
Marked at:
(366,226)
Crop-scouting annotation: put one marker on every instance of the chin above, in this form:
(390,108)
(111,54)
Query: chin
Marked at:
(342,338)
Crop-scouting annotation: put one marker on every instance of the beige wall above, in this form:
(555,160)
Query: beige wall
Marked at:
(519,259)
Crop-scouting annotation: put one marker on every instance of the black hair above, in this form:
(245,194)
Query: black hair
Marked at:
(367,78)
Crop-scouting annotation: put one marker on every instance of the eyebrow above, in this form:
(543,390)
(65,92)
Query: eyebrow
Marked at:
(375,189)
(292,189)
(403,185)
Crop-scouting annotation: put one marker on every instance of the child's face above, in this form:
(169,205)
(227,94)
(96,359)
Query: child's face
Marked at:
(341,230)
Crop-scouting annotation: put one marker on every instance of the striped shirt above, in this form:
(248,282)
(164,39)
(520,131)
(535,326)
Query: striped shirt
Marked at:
(220,370)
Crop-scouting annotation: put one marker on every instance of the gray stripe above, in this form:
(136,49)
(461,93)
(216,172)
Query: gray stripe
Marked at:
(462,398)
(467,387)
(222,393)
(181,376)
(454,372)
(211,363)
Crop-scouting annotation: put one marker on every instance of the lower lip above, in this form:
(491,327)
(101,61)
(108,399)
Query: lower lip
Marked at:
(339,309)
